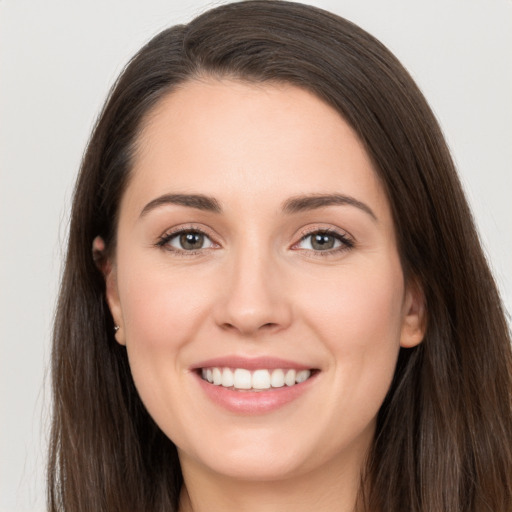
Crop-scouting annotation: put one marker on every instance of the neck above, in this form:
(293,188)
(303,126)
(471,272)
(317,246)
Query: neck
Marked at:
(335,488)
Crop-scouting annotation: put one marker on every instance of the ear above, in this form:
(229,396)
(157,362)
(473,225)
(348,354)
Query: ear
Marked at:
(414,321)
(108,269)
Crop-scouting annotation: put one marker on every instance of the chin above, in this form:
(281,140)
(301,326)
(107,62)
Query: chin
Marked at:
(250,457)
(256,467)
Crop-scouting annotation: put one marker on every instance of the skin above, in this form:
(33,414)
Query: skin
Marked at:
(257,287)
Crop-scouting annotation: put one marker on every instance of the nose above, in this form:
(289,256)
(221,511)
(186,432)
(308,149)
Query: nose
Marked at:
(254,298)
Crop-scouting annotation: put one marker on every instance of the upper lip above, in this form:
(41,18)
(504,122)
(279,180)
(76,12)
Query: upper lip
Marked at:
(250,363)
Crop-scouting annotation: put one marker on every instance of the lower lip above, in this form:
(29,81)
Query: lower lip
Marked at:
(254,402)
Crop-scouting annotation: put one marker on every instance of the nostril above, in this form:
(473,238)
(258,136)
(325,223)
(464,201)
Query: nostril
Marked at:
(232,326)
(267,327)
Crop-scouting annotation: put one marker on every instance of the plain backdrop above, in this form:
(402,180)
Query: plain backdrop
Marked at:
(57,62)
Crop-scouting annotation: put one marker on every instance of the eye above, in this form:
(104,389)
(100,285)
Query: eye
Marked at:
(186,241)
(325,241)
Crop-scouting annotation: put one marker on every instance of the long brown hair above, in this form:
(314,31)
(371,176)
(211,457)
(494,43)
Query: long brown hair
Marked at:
(443,441)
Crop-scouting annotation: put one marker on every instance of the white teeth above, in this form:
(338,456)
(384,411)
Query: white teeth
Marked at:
(217,376)
(277,379)
(302,376)
(227,378)
(261,379)
(289,378)
(240,378)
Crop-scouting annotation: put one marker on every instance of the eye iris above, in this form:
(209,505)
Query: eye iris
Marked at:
(322,241)
(191,241)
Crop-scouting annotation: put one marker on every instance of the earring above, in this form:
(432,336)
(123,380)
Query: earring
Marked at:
(116,328)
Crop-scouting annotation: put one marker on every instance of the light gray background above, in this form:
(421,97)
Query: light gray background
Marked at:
(57,61)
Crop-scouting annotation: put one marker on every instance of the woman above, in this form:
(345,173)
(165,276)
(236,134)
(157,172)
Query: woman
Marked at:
(274,294)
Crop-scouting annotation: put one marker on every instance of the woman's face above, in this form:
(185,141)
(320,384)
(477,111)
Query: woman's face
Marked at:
(256,249)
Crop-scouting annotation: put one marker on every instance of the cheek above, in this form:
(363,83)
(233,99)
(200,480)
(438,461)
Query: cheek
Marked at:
(358,317)
(160,308)
(161,311)
(359,306)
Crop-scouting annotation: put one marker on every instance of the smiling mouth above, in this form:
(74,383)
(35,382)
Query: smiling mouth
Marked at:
(241,379)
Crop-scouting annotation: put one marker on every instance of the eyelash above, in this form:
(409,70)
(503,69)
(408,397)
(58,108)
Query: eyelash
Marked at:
(347,242)
(164,240)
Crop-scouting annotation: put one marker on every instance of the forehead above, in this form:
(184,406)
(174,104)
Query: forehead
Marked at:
(246,142)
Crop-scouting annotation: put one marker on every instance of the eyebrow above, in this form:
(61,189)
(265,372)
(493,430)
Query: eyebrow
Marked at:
(198,201)
(315,201)
(290,206)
